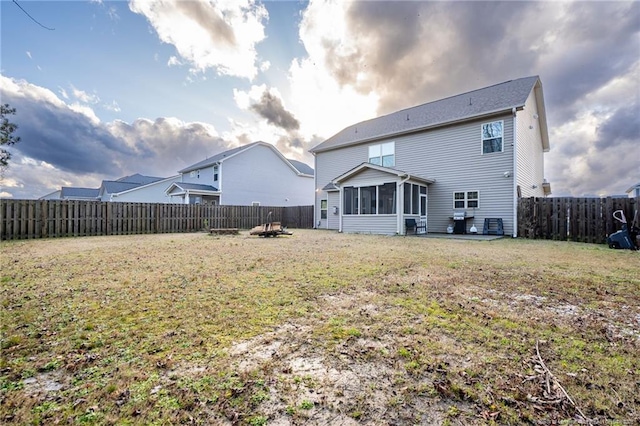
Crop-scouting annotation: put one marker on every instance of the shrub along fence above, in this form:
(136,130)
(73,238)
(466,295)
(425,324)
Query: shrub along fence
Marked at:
(23,219)
(587,220)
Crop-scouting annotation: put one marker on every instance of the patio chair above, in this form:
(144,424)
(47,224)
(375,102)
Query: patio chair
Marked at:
(410,223)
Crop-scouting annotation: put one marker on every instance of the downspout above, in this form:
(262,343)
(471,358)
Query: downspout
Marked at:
(515,174)
(316,215)
(340,209)
(400,206)
(220,183)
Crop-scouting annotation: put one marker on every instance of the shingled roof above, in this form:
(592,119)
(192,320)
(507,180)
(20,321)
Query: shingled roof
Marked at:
(477,103)
(216,158)
(76,192)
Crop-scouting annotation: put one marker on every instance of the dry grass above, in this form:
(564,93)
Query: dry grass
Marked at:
(317,328)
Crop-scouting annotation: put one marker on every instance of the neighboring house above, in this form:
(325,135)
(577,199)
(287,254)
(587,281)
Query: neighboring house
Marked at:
(153,192)
(253,174)
(110,189)
(477,153)
(634,191)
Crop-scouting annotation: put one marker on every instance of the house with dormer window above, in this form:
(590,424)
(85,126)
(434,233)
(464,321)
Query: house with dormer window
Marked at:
(471,155)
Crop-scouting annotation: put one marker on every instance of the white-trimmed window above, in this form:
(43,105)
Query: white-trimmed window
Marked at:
(383,154)
(492,137)
(466,200)
(215,173)
(323,209)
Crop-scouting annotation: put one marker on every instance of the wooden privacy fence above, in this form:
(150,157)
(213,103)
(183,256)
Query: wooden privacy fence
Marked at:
(587,220)
(22,219)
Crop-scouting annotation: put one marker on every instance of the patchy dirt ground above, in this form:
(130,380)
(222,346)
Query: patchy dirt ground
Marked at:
(318,328)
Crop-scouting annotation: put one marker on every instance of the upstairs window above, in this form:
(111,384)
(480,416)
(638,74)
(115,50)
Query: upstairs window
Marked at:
(492,137)
(383,154)
(215,173)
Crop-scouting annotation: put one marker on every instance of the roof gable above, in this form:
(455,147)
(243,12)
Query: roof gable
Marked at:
(477,103)
(184,187)
(368,166)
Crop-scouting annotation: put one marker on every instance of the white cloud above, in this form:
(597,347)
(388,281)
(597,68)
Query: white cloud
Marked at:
(82,96)
(113,106)
(66,145)
(244,99)
(590,151)
(29,54)
(173,61)
(21,89)
(322,105)
(86,111)
(218,35)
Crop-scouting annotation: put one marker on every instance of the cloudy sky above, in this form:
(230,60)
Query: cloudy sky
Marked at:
(106,89)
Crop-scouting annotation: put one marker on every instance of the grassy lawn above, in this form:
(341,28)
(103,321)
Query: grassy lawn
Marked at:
(318,328)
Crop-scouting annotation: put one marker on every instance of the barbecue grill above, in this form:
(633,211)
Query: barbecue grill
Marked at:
(459,222)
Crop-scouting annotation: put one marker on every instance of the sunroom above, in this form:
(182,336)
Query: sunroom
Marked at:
(377,200)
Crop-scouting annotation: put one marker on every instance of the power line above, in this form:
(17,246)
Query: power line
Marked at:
(32,18)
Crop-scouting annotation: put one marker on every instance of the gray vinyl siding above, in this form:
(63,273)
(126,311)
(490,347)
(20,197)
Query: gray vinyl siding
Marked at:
(530,169)
(451,155)
(375,224)
(333,220)
(204,177)
(258,174)
(330,165)
(151,193)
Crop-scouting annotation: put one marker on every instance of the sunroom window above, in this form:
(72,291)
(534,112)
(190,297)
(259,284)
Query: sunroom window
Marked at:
(492,137)
(413,198)
(370,200)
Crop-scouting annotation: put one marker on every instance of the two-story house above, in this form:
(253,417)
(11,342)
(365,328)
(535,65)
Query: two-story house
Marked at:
(253,174)
(475,153)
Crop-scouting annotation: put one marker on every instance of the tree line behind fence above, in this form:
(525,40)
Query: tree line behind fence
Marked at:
(23,219)
(587,220)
